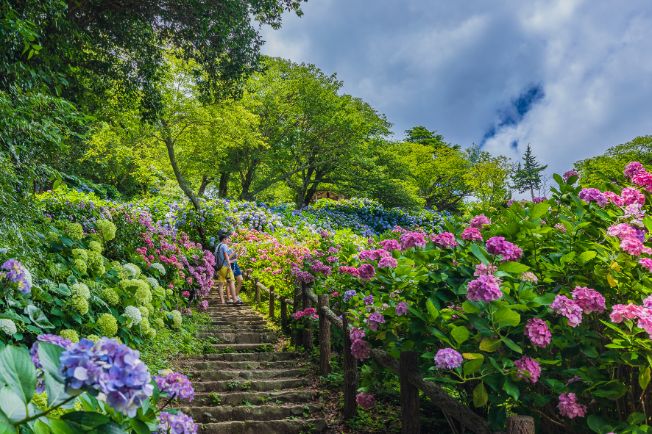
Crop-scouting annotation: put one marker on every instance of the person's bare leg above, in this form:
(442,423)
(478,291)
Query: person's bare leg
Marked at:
(232,289)
(238,285)
(220,291)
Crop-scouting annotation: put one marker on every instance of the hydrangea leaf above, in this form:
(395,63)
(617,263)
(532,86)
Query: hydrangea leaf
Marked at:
(18,372)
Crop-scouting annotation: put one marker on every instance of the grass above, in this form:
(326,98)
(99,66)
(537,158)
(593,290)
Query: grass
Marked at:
(168,344)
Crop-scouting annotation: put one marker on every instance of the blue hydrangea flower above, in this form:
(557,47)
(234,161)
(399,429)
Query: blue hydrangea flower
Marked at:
(348,295)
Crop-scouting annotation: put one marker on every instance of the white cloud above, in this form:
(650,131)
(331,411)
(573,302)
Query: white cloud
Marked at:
(456,66)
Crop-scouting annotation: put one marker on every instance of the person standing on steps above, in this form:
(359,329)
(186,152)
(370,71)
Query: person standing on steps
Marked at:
(223,268)
(237,273)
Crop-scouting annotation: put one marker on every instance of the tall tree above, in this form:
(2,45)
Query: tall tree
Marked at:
(527,176)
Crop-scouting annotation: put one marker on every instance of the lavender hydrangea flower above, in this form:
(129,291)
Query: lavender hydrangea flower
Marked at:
(18,274)
(179,423)
(369,300)
(348,295)
(109,368)
(448,358)
(401,308)
(374,320)
(175,385)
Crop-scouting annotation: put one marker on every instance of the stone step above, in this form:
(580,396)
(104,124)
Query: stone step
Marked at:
(247,374)
(298,426)
(237,322)
(240,338)
(250,412)
(235,328)
(246,385)
(299,396)
(243,348)
(251,356)
(213,365)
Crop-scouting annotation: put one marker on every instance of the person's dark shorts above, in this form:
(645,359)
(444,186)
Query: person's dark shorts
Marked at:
(236,269)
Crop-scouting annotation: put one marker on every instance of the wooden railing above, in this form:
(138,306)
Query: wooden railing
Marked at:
(406,367)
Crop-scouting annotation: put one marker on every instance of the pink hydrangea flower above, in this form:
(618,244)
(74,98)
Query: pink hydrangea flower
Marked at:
(485,269)
(499,246)
(528,369)
(360,349)
(620,312)
(445,239)
(589,195)
(538,332)
(387,262)
(569,407)
(484,288)
(614,198)
(622,231)
(632,196)
(448,358)
(365,400)
(373,255)
(345,269)
(561,228)
(646,262)
(589,299)
(366,271)
(633,246)
(570,173)
(471,234)
(568,308)
(647,302)
(643,179)
(479,221)
(412,239)
(390,245)
(632,169)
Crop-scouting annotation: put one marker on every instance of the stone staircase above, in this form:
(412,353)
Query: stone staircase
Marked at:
(247,387)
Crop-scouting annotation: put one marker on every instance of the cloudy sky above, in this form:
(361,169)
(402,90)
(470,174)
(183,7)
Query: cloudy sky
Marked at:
(571,77)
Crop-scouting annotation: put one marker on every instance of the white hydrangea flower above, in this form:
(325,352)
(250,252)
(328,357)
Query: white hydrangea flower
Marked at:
(153,282)
(133,314)
(82,290)
(8,326)
(132,270)
(158,267)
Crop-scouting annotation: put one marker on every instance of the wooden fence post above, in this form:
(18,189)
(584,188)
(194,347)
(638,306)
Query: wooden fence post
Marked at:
(520,425)
(284,315)
(295,308)
(271,303)
(324,337)
(350,365)
(307,328)
(257,291)
(410,422)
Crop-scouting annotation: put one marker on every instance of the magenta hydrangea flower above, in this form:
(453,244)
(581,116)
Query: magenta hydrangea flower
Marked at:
(373,255)
(472,234)
(484,269)
(353,271)
(366,271)
(387,262)
(484,288)
(356,333)
(569,406)
(374,320)
(401,308)
(390,245)
(632,169)
(620,312)
(634,246)
(479,221)
(508,251)
(412,239)
(646,262)
(568,308)
(528,369)
(445,239)
(179,423)
(448,358)
(365,400)
(175,385)
(589,299)
(589,195)
(360,349)
(570,173)
(632,196)
(538,332)
(647,302)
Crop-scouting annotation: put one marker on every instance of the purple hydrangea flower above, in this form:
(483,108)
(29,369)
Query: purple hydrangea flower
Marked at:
(374,320)
(348,295)
(369,300)
(401,308)
(18,274)
(179,423)
(175,385)
(448,358)
(108,367)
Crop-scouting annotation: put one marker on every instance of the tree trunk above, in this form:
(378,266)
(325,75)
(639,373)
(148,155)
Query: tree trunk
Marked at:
(223,187)
(205,180)
(183,184)
(246,181)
